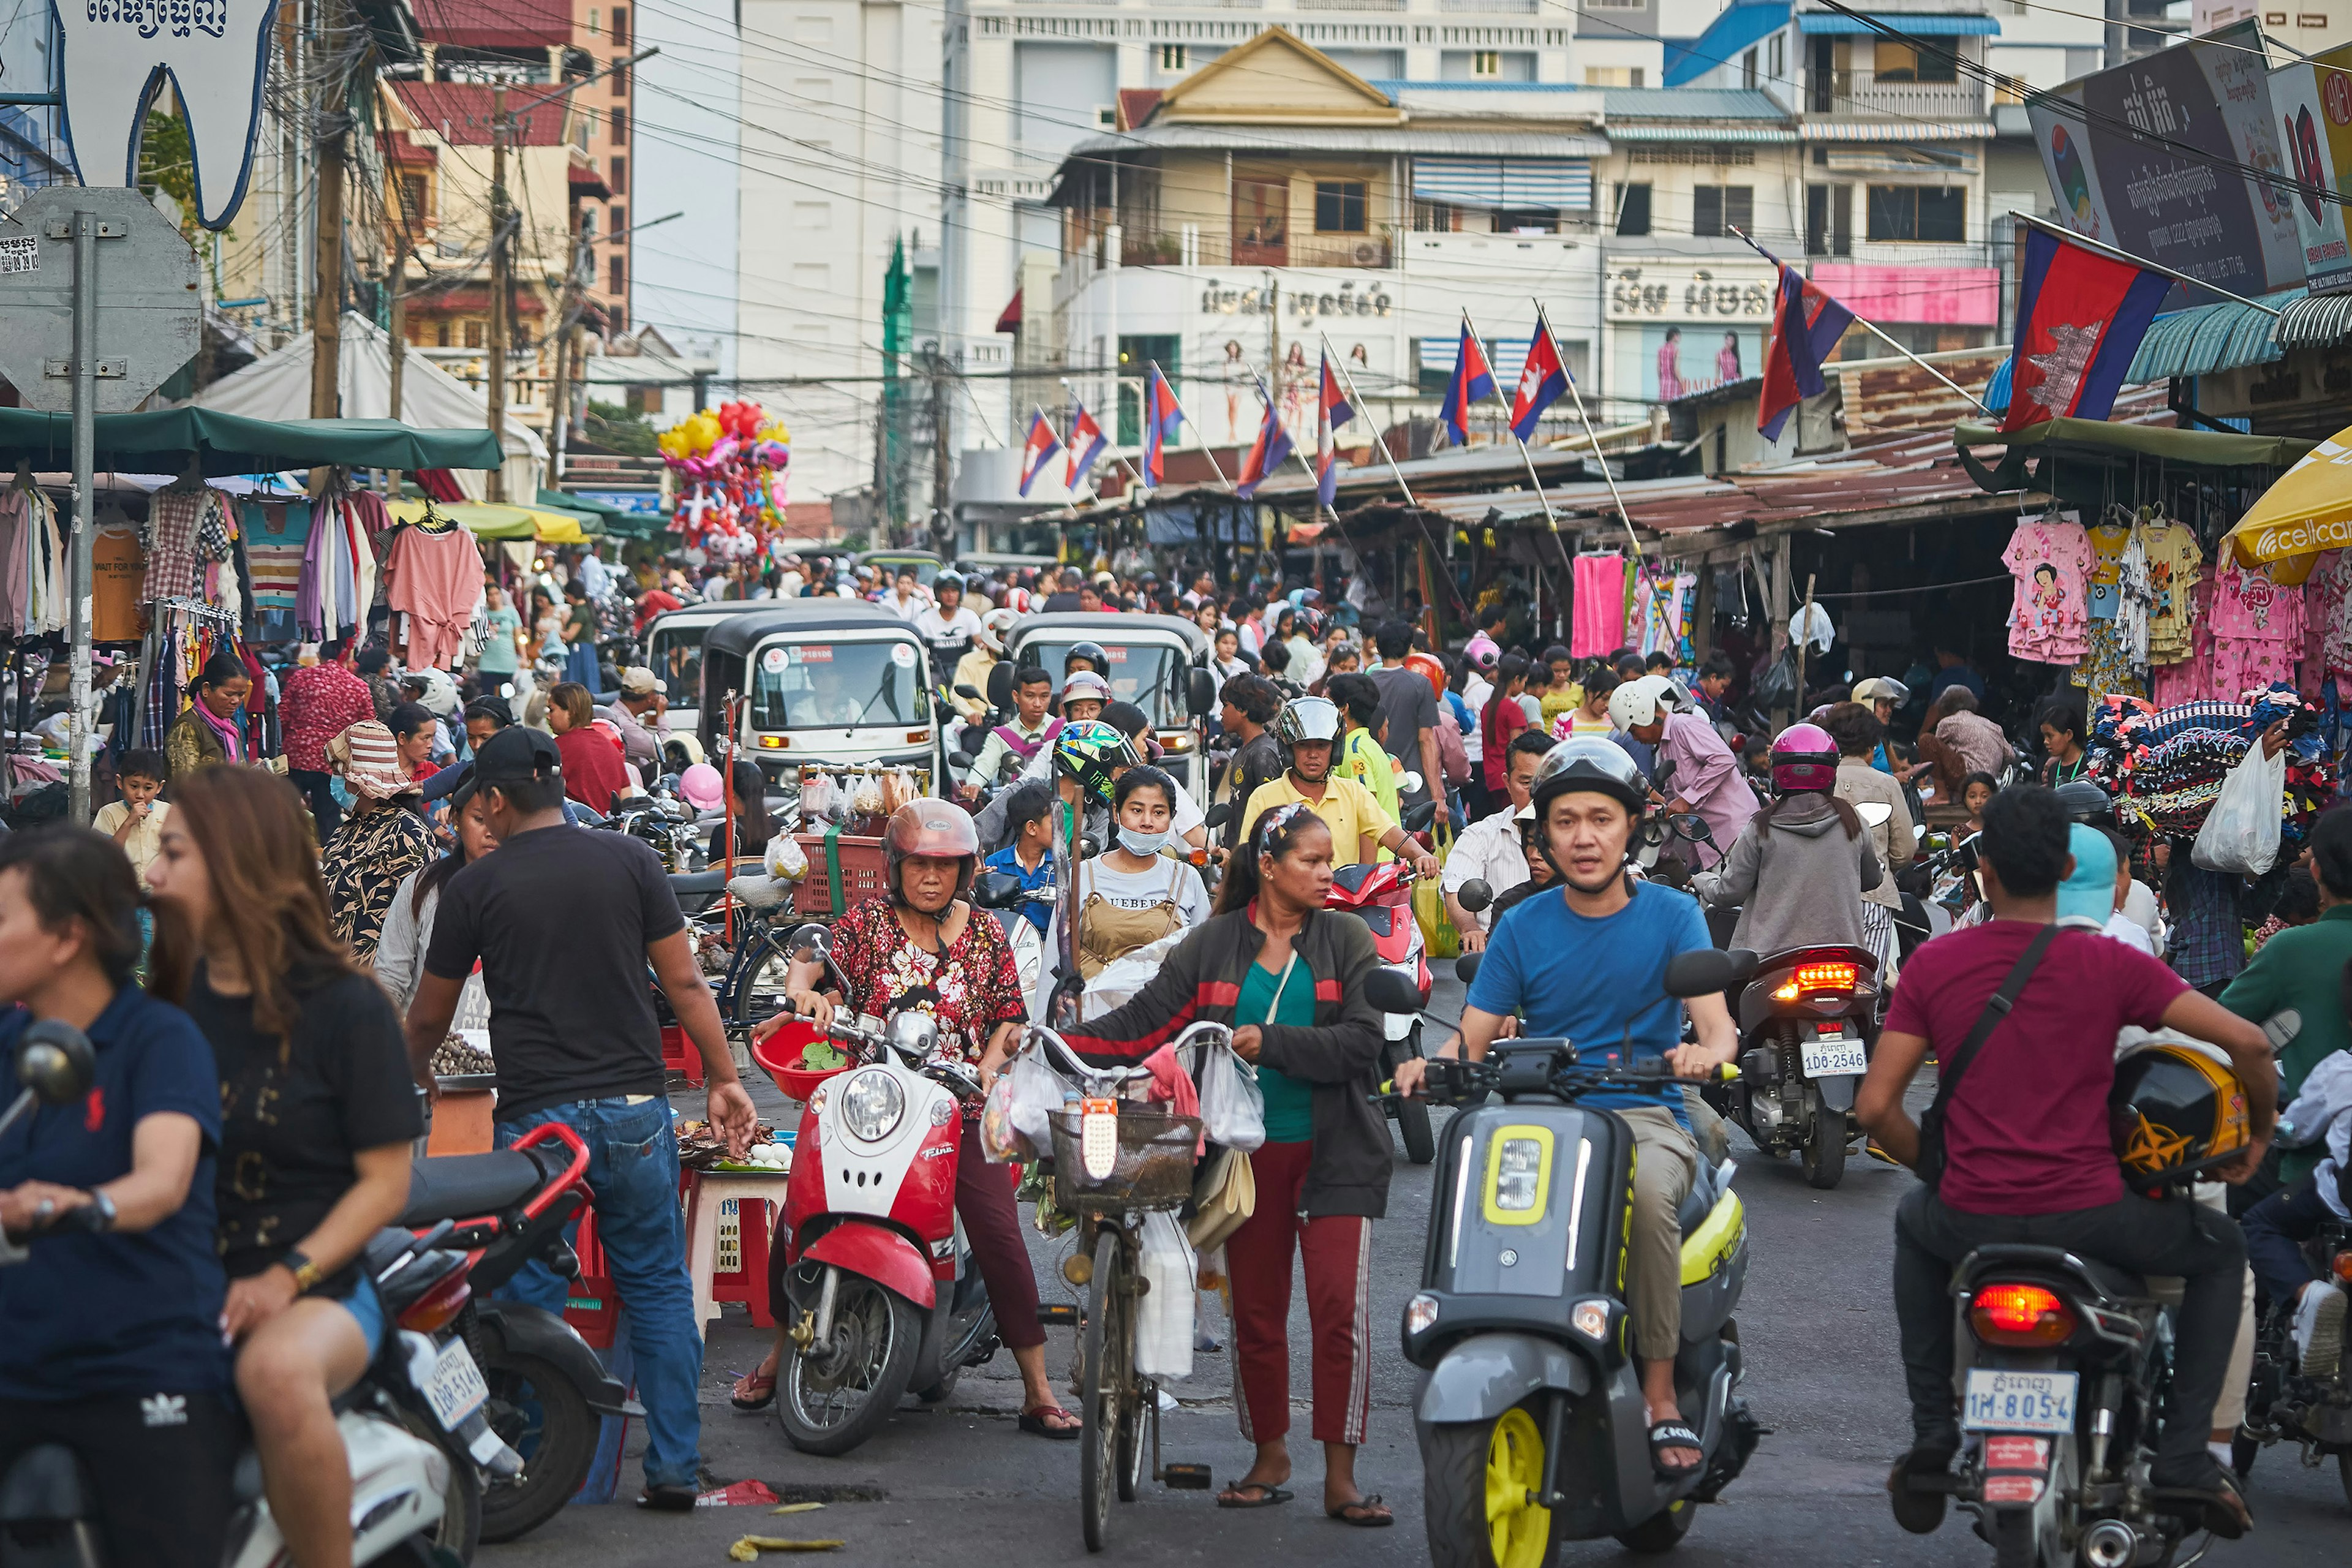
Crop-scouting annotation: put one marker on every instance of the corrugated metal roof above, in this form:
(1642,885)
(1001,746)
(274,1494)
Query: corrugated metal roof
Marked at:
(1690,103)
(2313,319)
(2208,337)
(1701,131)
(1164,136)
(1893,132)
(1819,23)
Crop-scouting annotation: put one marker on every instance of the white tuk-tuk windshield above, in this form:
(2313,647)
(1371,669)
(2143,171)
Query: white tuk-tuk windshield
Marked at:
(819,685)
(1140,673)
(677,655)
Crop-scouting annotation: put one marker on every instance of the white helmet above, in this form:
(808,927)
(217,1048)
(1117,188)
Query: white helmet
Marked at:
(1085,685)
(993,628)
(1642,702)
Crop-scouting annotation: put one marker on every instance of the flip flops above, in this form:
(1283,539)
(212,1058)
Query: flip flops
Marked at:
(1268,1496)
(754,1390)
(1367,1513)
(1036,1423)
(1667,1434)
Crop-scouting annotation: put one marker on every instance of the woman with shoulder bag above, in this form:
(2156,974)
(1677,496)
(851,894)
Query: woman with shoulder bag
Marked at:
(1130,895)
(1289,978)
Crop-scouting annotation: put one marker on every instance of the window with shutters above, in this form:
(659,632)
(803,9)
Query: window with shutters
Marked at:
(1917,213)
(620,26)
(414,195)
(619,127)
(620,176)
(475,334)
(620,223)
(620,276)
(1339,206)
(1633,209)
(1717,210)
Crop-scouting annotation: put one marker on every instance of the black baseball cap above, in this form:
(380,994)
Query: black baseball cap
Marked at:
(517,754)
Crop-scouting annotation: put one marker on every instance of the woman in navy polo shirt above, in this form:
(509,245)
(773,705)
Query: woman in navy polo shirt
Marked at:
(109,1336)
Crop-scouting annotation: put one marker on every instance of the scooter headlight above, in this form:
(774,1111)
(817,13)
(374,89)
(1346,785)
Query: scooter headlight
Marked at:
(871,1104)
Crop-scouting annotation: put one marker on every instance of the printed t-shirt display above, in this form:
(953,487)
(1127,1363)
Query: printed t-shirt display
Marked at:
(2257,628)
(118,570)
(2052,560)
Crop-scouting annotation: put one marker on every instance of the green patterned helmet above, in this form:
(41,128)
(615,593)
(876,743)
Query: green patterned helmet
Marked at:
(1093,752)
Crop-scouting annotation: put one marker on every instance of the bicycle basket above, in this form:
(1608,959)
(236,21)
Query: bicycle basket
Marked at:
(1154,1168)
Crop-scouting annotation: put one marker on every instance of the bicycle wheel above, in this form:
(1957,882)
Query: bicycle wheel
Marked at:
(1100,1386)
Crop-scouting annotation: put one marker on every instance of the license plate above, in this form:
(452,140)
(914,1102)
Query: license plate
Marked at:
(1827,1055)
(454,1387)
(2001,1401)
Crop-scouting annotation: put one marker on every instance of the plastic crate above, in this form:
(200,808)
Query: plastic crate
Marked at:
(592,1306)
(863,866)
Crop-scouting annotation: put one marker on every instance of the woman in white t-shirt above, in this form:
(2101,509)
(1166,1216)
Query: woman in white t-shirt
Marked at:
(1131,895)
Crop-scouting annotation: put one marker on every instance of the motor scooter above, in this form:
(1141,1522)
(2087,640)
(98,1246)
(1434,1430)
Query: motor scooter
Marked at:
(882,1292)
(412,1428)
(1531,1422)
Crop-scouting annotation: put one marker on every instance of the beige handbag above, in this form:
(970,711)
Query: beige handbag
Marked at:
(1222,1199)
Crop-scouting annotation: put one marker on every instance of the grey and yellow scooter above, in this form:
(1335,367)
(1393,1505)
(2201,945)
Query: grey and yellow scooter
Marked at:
(1532,1425)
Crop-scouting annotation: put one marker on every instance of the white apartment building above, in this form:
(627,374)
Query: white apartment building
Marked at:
(841,158)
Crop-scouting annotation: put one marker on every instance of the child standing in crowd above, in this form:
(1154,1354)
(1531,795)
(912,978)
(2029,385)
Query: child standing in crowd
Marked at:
(136,821)
(1977,789)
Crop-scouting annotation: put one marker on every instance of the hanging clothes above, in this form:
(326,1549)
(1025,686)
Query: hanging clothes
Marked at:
(186,528)
(276,535)
(1598,623)
(2115,638)
(2258,629)
(433,579)
(19,520)
(2173,558)
(118,569)
(2051,561)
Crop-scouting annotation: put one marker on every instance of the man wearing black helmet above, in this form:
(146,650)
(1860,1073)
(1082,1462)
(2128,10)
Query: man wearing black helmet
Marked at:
(1590,965)
(1309,729)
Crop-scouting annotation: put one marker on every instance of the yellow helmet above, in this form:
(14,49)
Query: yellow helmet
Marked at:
(2176,1110)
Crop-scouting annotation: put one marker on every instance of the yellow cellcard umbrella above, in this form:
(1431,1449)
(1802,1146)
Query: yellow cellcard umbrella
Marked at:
(487,520)
(2308,510)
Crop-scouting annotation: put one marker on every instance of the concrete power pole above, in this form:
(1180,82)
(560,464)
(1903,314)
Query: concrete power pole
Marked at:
(500,284)
(942,513)
(327,306)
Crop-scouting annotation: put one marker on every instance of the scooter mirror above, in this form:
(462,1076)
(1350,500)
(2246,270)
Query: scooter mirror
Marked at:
(1690,825)
(1391,991)
(996,890)
(1201,693)
(915,1034)
(1465,968)
(1874,812)
(54,1060)
(1417,819)
(1705,970)
(1000,684)
(1219,815)
(966,688)
(811,943)
(1476,895)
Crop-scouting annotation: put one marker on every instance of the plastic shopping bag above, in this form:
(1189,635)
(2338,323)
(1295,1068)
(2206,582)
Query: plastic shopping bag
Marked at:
(1036,1094)
(1163,1316)
(1437,932)
(2242,831)
(1000,1140)
(1233,1109)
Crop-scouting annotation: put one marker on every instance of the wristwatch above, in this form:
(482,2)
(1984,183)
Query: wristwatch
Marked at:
(306,1273)
(104,1206)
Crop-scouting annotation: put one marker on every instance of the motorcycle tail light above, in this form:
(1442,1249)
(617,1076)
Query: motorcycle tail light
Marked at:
(2343,1267)
(1817,977)
(2022,1315)
(439,1308)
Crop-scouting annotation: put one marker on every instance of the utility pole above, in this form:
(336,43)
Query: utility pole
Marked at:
(396,350)
(566,328)
(500,284)
(326,305)
(942,519)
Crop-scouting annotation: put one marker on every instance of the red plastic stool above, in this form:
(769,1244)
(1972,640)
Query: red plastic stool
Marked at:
(594,1306)
(678,1055)
(747,1282)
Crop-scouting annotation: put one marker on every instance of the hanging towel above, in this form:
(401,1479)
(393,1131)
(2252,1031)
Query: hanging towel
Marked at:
(1598,624)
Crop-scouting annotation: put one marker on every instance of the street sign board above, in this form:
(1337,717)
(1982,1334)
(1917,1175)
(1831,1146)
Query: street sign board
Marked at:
(146,297)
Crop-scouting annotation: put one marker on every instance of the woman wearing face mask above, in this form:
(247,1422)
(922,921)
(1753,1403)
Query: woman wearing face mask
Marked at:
(1130,895)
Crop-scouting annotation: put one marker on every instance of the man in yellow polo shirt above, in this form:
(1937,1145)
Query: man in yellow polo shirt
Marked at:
(1307,727)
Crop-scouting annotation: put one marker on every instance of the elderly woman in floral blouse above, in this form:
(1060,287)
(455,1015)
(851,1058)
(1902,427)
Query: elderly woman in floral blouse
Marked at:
(384,839)
(920,947)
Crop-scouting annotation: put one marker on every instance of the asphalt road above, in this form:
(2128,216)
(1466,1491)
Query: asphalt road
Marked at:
(962,1487)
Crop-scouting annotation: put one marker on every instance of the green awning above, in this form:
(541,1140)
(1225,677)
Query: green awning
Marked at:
(2211,448)
(570,502)
(233,443)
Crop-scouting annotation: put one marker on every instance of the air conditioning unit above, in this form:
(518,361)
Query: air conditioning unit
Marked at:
(1368,254)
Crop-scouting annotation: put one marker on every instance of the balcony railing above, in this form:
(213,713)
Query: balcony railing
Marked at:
(1860,94)
(1191,245)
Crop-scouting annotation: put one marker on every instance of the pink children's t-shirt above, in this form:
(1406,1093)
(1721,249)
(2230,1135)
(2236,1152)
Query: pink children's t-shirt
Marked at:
(2050,559)
(2247,603)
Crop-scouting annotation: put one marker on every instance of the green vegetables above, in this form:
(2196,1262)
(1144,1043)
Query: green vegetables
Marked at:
(822,1056)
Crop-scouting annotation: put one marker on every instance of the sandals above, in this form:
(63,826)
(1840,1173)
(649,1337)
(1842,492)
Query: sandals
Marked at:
(755,1390)
(1367,1513)
(1665,1434)
(1919,1509)
(1267,1495)
(1039,1423)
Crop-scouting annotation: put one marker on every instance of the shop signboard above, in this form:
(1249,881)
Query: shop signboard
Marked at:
(2313,100)
(215,53)
(1915,296)
(2171,194)
(1679,327)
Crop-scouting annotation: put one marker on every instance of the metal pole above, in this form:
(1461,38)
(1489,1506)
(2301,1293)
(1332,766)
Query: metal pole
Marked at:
(1871,328)
(1543,325)
(85,458)
(1379,439)
(499,285)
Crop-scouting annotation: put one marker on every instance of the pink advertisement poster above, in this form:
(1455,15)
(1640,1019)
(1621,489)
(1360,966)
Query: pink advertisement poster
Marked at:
(1937,296)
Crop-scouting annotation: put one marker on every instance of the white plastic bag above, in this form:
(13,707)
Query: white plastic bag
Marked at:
(1036,1094)
(786,861)
(1116,984)
(1163,1316)
(1233,1108)
(2241,832)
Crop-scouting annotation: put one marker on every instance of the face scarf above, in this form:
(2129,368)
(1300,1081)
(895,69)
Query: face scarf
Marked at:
(232,737)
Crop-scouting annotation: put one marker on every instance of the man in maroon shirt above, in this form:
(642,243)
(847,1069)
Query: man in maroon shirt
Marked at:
(317,702)
(2028,1155)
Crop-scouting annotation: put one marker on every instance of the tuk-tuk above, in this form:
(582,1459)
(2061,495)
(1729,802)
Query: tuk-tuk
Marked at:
(830,683)
(1154,663)
(673,653)
(927,564)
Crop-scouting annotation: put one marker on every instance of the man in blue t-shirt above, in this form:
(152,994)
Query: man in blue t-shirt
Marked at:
(1588,965)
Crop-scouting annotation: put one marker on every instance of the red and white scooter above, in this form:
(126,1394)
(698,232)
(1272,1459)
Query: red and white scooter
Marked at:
(882,1294)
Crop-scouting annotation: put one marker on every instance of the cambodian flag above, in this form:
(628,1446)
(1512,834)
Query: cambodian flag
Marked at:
(1806,325)
(1543,380)
(1162,416)
(1472,380)
(1267,454)
(2080,318)
(1041,446)
(1332,412)
(1086,443)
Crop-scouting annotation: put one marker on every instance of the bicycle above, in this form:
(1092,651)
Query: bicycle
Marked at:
(1113,1164)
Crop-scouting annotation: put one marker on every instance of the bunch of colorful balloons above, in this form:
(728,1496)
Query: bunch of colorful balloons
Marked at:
(735,459)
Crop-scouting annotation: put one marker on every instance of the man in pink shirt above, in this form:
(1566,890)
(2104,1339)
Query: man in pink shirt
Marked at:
(317,702)
(1692,760)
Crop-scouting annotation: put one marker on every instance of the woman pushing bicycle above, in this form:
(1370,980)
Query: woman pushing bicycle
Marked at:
(1288,979)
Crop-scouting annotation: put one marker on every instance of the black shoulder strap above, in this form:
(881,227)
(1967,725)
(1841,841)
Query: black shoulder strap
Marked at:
(1996,1008)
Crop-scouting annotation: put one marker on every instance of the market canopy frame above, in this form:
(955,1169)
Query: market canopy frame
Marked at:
(227,444)
(2072,459)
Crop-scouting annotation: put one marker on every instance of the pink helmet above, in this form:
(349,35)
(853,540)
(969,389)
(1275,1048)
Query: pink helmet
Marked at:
(702,787)
(1804,758)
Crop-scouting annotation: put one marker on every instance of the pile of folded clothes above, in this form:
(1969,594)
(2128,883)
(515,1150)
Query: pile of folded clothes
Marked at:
(2164,766)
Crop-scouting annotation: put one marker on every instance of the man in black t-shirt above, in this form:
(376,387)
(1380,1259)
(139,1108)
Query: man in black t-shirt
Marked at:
(565,921)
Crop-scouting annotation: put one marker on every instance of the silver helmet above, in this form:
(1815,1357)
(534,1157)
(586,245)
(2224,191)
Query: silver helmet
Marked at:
(1308,719)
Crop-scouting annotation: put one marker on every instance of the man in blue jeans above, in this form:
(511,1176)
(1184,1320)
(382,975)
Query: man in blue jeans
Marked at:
(564,922)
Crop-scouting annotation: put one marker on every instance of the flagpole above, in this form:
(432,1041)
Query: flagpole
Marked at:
(2113,254)
(1379,440)
(1543,325)
(1205,448)
(1873,329)
(1497,388)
